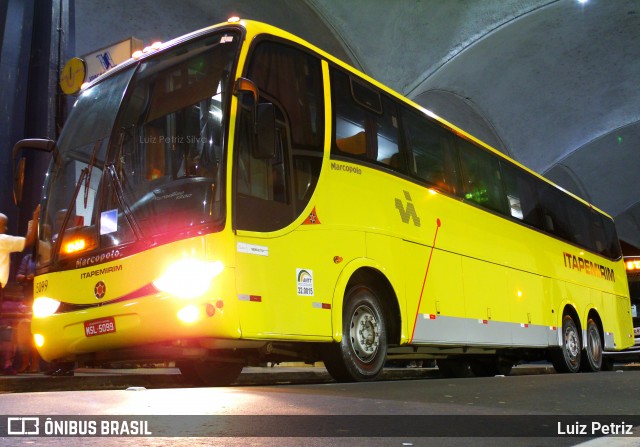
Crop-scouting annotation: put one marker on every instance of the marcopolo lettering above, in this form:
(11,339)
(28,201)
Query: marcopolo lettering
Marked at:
(346,168)
(103,257)
(588,267)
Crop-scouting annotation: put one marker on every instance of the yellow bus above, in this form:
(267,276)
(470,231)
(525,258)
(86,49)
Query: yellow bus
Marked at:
(238,196)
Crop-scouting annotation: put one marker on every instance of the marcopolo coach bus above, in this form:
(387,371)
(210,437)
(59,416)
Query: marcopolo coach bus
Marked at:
(238,196)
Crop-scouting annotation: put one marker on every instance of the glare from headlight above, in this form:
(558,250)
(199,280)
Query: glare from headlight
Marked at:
(188,278)
(44,307)
(38,339)
(189,314)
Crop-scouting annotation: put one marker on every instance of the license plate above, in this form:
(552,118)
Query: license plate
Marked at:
(99,327)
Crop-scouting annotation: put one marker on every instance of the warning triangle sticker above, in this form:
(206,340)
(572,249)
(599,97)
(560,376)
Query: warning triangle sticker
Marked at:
(312,219)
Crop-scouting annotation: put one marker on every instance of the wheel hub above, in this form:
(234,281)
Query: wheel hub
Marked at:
(364,333)
(572,343)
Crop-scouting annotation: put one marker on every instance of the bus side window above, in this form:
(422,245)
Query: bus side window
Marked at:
(354,131)
(554,204)
(522,195)
(482,178)
(430,152)
(366,123)
(388,152)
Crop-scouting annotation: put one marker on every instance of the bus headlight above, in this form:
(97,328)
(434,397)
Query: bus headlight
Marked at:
(44,307)
(188,278)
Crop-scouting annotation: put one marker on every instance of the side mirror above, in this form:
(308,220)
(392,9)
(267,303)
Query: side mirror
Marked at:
(43,145)
(264,119)
(247,88)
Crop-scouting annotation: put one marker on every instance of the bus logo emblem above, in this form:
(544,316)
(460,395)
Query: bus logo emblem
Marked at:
(100,290)
(409,212)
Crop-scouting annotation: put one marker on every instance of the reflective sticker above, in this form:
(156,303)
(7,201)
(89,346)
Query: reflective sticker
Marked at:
(252,298)
(304,279)
(108,222)
(253,249)
(317,305)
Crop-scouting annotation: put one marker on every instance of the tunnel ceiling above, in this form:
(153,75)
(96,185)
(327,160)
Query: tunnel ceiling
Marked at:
(554,84)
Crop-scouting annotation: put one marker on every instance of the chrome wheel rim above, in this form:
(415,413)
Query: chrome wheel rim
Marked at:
(572,344)
(364,332)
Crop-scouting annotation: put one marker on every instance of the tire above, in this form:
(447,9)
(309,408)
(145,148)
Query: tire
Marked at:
(592,354)
(210,373)
(566,358)
(490,367)
(454,368)
(361,354)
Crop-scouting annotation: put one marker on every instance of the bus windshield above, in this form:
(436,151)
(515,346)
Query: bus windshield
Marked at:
(141,153)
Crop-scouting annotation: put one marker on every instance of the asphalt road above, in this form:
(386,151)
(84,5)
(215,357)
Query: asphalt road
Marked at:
(521,410)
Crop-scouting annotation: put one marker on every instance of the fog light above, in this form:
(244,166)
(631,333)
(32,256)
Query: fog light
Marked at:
(189,314)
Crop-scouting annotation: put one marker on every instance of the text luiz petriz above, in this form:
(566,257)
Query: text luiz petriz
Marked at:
(594,428)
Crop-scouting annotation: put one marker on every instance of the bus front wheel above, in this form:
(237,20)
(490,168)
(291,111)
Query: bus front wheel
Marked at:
(210,373)
(361,354)
(566,358)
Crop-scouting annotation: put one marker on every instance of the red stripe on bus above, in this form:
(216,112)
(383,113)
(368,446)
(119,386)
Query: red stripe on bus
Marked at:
(415,320)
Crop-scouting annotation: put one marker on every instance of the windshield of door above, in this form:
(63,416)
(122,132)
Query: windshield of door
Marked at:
(141,154)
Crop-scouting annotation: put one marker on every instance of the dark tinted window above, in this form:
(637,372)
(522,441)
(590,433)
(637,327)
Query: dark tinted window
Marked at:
(271,193)
(522,194)
(481,177)
(366,123)
(294,78)
(431,152)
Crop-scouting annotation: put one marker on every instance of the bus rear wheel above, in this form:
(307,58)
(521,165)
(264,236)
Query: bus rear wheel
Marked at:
(360,356)
(210,373)
(566,358)
(592,355)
